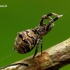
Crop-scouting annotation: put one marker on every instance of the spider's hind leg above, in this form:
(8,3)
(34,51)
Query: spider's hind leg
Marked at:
(35,51)
(41,46)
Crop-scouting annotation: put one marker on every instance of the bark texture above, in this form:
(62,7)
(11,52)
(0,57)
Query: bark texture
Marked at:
(52,59)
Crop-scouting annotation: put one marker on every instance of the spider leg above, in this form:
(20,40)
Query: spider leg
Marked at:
(41,45)
(35,51)
(37,47)
(50,25)
(47,17)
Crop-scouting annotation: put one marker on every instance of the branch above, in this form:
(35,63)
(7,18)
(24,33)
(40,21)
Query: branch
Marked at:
(52,59)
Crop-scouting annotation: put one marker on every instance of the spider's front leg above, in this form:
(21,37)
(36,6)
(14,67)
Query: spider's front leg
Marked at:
(50,25)
(47,17)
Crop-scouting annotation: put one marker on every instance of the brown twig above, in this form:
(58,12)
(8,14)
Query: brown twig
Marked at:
(52,59)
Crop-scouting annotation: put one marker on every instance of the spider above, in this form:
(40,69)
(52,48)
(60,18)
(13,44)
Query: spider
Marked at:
(28,39)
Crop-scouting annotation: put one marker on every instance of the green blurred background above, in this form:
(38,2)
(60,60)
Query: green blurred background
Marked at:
(24,14)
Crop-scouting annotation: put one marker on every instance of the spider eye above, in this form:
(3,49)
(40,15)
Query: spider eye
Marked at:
(20,35)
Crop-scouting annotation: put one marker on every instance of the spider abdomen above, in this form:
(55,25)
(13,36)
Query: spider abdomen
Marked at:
(25,41)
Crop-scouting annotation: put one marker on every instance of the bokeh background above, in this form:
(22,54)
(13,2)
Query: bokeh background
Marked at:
(24,14)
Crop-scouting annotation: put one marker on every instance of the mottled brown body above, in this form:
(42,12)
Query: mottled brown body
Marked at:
(26,35)
(28,39)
